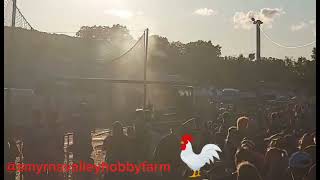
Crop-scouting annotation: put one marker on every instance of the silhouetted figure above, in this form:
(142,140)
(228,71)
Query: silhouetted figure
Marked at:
(82,140)
(275,123)
(226,123)
(117,144)
(306,140)
(214,111)
(55,144)
(275,164)
(168,151)
(34,143)
(142,136)
(117,147)
(230,147)
(242,127)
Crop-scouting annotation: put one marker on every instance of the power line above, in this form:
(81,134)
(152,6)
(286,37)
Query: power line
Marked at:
(74,32)
(24,19)
(284,46)
(128,50)
(71,32)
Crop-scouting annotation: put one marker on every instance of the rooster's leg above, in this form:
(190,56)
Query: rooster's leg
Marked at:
(193,175)
(198,174)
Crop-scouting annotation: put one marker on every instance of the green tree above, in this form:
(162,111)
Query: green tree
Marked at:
(115,33)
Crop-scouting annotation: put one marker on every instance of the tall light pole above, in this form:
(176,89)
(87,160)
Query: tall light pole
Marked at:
(257,23)
(14,11)
(145,69)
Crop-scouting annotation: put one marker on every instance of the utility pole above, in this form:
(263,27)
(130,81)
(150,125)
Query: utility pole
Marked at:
(14,10)
(257,23)
(146,34)
(7,91)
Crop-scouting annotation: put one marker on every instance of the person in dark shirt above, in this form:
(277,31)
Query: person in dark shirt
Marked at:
(142,140)
(305,141)
(55,151)
(275,126)
(291,144)
(214,111)
(117,147)
(82,141)
(230,147)
(226,123)
(311,150)
(34,142)
(275,164)
(168,152)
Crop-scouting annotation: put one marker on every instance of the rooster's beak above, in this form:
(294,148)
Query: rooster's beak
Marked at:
(181,142)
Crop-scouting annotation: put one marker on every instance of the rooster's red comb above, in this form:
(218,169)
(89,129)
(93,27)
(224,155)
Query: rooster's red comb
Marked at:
(187,137)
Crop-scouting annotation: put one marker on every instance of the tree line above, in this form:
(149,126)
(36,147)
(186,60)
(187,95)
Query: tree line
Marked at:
(38,55)
(201,61)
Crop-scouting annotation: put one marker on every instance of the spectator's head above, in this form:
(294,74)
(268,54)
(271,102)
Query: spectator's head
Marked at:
(291,143)
(139,114)
(219,138)
(226,118)
(274,136)
(299,164)
(246,171)
(173,131)
(209,124)
(311,150)
(233,136)
(274,117)
(246,143)
(276,161)
(187,126)
(291,140)
(305,141)
(130,131)
(222,110)
(243,154)
(242,123)
(279,142)
(117,128)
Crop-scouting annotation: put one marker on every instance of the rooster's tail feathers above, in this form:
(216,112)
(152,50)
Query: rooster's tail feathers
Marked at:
(208,153)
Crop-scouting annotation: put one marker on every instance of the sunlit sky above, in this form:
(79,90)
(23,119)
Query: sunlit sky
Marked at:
(224,22)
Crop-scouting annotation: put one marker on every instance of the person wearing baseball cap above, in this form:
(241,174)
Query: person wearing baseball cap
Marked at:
(299,164)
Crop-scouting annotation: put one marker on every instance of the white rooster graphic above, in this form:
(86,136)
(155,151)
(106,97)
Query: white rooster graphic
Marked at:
(196,161)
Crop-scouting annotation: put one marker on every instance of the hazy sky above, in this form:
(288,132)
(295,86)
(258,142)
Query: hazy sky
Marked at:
(224,22)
